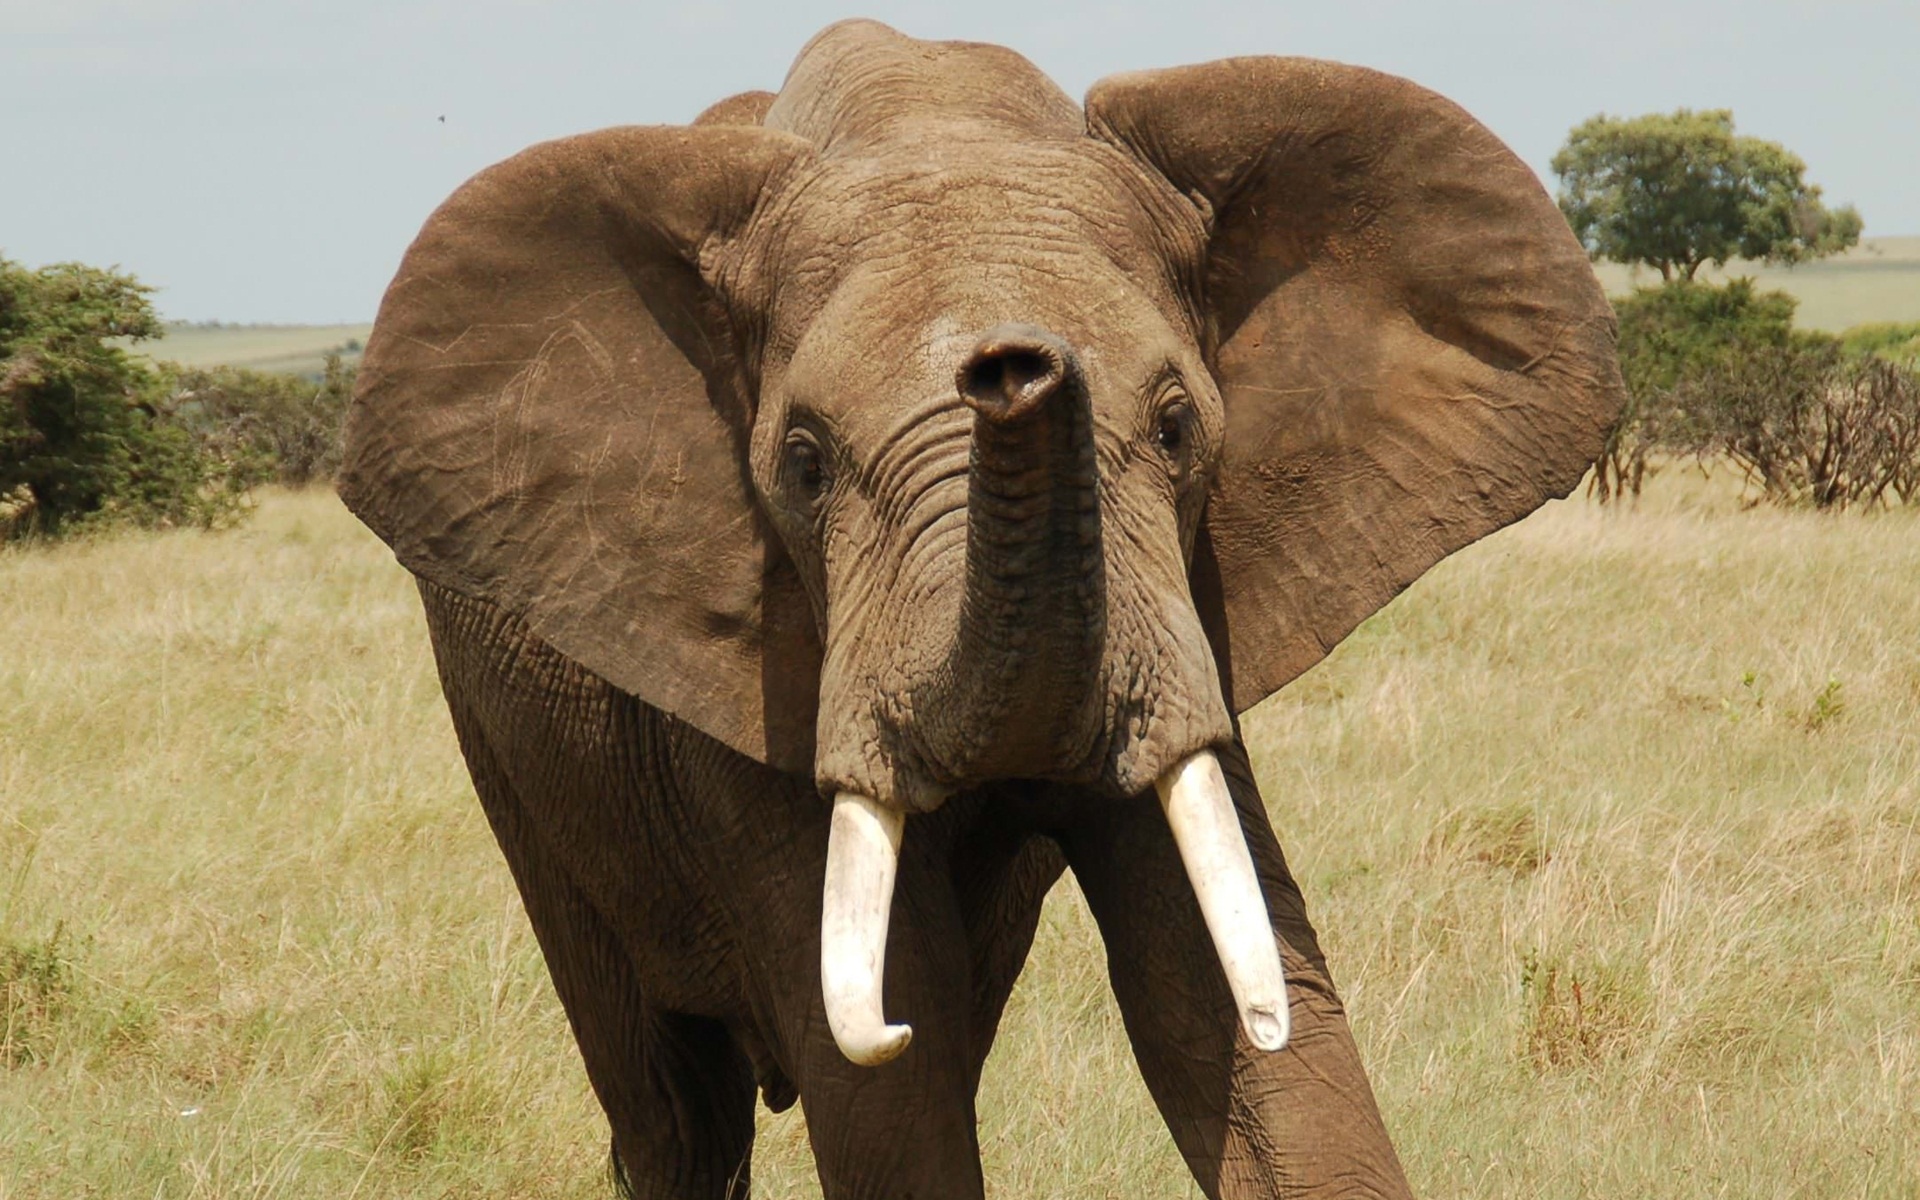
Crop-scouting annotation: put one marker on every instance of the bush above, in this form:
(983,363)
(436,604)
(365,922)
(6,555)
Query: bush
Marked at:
(90,435)
(86,435)
(1669,334)
(1896,341)
(1720,374)
(1807,423)
(265,425)
(36,993)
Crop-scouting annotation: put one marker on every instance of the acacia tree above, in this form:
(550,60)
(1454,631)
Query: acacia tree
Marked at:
(1676,191)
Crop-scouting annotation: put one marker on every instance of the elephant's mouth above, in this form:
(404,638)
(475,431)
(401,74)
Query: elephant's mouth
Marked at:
(863,852)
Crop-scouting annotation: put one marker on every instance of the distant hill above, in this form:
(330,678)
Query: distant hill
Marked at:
(1878,280)
(294,349)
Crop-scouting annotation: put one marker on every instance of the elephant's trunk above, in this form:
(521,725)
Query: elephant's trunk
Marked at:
(1019,695)
(1031,623)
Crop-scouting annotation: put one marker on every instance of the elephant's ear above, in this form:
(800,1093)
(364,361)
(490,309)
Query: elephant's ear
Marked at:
(1412,347)
(551,417)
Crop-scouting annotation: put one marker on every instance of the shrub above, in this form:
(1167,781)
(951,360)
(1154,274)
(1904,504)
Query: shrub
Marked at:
(1579,1015)
(1720,374)
(1805,422)
(1896,341)
(36,994)
(86,435)
(1669,334)
(265,425)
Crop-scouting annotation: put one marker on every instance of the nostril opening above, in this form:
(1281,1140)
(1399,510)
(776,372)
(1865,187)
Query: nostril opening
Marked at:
(1004,381)
(1022,369)
(1011,373)
(985,379)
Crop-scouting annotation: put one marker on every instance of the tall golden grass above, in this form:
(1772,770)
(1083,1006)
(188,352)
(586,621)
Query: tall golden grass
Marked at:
(1611,826)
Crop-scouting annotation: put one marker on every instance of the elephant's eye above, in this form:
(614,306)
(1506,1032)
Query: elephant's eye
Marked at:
(804,468)
(1172,433)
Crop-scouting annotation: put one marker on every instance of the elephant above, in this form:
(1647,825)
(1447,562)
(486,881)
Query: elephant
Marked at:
(839,517)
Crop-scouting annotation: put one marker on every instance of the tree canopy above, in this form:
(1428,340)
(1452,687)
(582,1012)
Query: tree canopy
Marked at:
(1675,191)
(87,435)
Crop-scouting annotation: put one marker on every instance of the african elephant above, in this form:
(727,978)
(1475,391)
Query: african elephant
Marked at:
(840,516)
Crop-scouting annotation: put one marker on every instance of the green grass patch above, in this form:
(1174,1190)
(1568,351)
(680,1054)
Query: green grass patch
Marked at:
(1895,341)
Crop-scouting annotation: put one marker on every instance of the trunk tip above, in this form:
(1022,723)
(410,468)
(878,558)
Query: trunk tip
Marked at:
(1013,370)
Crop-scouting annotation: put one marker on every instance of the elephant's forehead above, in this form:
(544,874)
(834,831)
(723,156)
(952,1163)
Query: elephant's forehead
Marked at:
(963,213)
(890,338)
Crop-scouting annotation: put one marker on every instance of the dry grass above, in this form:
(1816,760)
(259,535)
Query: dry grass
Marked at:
(1612,827)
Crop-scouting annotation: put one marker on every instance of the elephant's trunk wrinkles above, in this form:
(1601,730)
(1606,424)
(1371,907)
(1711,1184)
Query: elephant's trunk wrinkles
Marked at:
(1214,850)
(1025,663)
(1030,635)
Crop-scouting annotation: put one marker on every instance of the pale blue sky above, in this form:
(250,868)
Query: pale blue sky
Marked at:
(269,161)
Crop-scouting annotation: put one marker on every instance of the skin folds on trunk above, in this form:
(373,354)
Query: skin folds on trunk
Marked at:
(1017,696)
(1029,636)
(1009,699)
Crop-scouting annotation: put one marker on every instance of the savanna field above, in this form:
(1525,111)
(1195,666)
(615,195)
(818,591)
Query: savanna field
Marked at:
(1611,826)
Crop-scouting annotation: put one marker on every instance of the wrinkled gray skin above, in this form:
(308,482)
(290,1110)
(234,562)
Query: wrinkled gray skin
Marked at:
(984,416)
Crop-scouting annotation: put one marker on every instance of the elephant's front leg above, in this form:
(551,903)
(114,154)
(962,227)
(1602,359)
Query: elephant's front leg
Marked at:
(1298,1122)
(905,1128)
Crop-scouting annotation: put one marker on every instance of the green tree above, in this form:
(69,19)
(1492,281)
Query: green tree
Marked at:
(1676,191)
(85,431)
(1682,329)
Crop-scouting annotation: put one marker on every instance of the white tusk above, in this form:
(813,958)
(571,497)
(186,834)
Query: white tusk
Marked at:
(1214,851)
(863,851)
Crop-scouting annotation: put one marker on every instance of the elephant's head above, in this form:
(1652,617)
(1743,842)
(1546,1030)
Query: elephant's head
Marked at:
(915,428)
